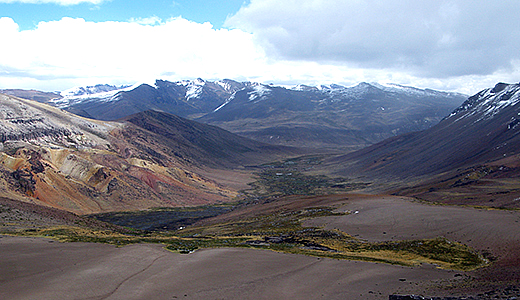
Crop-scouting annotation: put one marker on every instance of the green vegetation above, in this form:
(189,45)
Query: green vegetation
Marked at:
(283,232)
(163,218)
(290,177)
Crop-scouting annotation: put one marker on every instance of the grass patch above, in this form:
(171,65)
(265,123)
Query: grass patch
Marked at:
(291,177)
(276,182)
(283,232)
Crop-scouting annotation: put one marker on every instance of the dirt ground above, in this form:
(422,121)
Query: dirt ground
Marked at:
(38,268)
(495,233)
(379,218)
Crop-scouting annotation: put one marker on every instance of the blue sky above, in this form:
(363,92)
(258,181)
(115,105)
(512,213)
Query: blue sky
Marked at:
(28,15)
(452,45)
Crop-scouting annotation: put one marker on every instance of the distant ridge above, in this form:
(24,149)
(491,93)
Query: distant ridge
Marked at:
(331,116)
(484,128)
(198,143)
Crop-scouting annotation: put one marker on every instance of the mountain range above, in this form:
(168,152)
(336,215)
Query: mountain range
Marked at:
(478,140)
(331,116)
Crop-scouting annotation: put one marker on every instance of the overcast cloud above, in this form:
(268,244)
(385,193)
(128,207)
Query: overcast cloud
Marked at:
(436,39)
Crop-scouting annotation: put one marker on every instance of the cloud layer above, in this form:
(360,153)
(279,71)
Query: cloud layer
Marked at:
(436,39)
(457,45)
(124,51)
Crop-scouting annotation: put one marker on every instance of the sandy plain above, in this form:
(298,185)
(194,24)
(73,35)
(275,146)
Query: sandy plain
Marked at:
(38,268)
(491,231)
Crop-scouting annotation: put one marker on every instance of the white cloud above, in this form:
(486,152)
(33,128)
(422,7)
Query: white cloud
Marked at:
(59,2)
(435,39)
(77,50)
(9,27)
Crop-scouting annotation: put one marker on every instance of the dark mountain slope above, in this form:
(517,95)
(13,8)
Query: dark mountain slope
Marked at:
(483,129)
(477,145)
(197,143)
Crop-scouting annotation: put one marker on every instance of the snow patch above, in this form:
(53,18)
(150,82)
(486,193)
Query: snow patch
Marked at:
(224,85)
(259,92)
(488,103)
(193,91)
(99,93)
(225,103)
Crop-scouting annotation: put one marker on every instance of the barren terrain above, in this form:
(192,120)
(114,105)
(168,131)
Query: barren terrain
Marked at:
(493,233)
(36,268)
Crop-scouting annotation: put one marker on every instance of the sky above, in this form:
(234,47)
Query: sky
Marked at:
(452,45)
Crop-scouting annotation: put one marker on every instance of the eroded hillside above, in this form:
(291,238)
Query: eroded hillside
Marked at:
(54,158)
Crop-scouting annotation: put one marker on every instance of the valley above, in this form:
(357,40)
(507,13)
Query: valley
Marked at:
(428,209)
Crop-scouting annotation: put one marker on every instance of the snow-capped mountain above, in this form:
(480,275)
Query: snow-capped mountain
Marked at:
(98,93)
(483,130)
(184,98)
(332,115)
(92,90)
(487,103)
(321,116)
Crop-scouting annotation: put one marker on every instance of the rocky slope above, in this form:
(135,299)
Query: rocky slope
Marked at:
(474,152)
(54,158)
(26,121)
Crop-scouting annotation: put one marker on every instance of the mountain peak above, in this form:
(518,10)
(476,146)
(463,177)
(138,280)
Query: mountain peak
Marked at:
(499,87)
(92,89)
(489,102)
(364,84)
